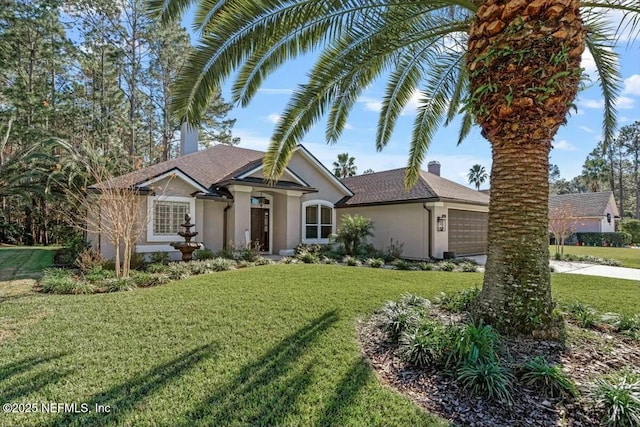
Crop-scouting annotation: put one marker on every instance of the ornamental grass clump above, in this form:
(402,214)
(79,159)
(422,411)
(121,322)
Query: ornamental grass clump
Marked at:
(396,318)
(61,281)
(428,344)
(458,302)
(547,378)
(487,378)
(619,395)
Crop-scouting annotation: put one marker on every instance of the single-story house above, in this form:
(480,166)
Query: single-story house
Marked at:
(586,212)
(223,190)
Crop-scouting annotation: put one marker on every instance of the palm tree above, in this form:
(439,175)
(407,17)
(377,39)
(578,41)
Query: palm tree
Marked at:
(511,67)
(477,175)
(345,166)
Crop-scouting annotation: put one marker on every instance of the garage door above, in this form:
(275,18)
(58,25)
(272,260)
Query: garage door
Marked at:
(467,232)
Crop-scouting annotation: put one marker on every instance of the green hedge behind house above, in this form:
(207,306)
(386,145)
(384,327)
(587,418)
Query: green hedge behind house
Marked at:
(631,226)
(604,239)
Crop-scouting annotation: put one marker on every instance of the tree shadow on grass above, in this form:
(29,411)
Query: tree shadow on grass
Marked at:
(17,380)
(352,382)
(265,391)
(123,398)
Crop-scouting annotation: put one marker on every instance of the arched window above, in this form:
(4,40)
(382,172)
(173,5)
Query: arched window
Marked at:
(318,221)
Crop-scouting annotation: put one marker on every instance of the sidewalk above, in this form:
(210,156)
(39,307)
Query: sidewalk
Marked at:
(582,268)
(595,270)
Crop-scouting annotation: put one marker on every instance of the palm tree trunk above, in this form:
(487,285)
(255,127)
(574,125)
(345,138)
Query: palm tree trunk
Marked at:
(516,295)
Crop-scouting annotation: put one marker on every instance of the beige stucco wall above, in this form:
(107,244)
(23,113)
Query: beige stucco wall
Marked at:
(327,188)
(172,187)
(286,214)
(405,223)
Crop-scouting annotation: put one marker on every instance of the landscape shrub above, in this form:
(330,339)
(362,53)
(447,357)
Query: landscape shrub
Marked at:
(352,232)
(550,379)
(221,264)
(416,301)
(108,264)
(146,279)
(88,259)
(631,227)
(476,343)
(369,251)
(458,302)
(428,344)
(487,378)
(61,281)
(137,261)
(375,262)
(468,267)
(161,257)
(308,257)
(73,246)
(351,261)
(203,254)
(395,319)
(585,315)
(426,266)
(603,239)
(157,268)
(402,264)
(98,274)
(393,251)
(178,270)
(446,266)
(118,285)
(264,261)
(619,395)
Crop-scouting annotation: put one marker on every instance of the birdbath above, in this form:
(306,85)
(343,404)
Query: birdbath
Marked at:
(187,247)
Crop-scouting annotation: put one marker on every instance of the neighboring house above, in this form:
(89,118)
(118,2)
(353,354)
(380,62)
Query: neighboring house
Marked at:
(433,217)
(223,190)
(586,212)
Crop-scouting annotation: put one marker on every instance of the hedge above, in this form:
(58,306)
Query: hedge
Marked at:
(604,239)
(631,226)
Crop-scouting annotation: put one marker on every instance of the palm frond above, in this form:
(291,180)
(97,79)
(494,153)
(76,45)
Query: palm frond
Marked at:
(607,68)
(629,20)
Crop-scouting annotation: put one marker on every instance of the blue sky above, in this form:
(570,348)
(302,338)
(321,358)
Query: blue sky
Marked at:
(255,124)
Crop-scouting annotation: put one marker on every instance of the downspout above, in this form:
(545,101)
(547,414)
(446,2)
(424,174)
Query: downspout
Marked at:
(429,244)
(224,225)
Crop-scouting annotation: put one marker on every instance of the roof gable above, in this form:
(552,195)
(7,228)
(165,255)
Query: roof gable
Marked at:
(388,187)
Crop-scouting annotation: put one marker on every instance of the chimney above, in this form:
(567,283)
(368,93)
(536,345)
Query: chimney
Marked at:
(188,139)
(434,167)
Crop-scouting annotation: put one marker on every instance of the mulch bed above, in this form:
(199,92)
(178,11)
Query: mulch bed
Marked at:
(585,355)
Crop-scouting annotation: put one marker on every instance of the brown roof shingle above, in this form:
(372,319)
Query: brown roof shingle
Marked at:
(206,167)
(581,204)
(388,187)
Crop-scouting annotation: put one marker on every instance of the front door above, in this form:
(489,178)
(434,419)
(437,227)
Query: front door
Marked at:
(260,228)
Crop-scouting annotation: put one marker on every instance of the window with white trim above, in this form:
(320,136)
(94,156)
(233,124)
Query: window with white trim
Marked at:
(165,214)
(317,221)
(167,217)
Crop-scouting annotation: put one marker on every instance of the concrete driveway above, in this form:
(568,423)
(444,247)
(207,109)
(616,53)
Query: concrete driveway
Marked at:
(582,268)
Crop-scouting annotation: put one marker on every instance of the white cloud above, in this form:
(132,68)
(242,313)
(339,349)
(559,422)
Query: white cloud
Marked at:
(250,140)
(347,126)
(588,63)
(624,103)
(592,103)
(632,85)
(371,104)
(274,118)
(564,145)
(587,129)
(276,91)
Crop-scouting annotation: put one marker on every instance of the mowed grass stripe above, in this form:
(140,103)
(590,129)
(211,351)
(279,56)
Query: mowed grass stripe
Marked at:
(272,345)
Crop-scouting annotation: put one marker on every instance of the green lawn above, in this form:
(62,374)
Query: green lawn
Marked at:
(272,345)
(24,262)
(628,257)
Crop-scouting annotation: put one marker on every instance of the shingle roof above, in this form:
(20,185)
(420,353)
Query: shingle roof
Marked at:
(206,167)
(388,187)
(582,204)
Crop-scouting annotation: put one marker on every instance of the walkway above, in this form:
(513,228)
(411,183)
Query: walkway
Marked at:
(585,269)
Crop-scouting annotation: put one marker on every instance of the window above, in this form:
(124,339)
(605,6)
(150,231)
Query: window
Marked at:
(165,214)
(317,221)
(167,217)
